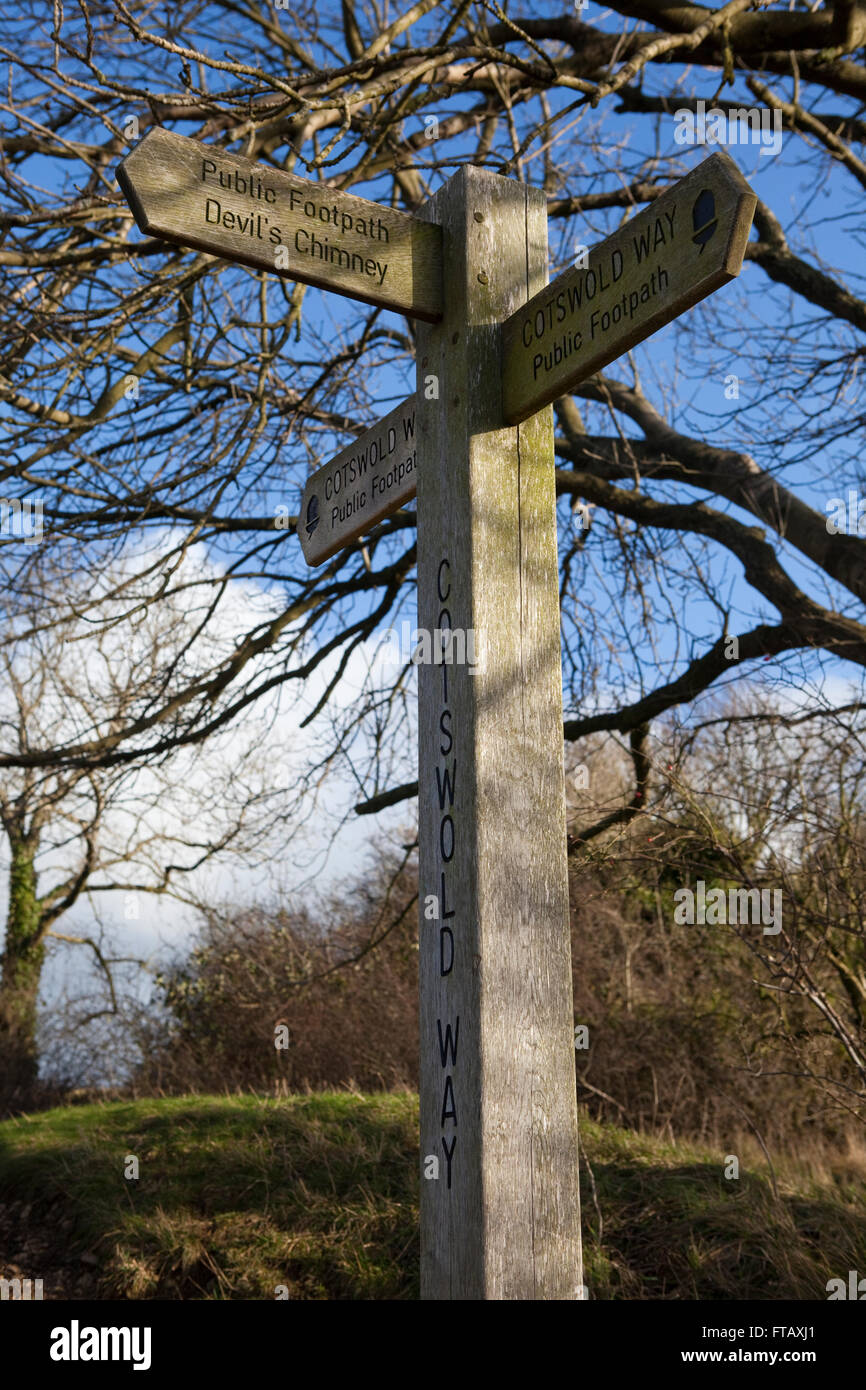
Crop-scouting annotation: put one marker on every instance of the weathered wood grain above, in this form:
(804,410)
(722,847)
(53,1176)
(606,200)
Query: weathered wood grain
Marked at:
(686,244)
(201,196)
(495,964)
(367,481)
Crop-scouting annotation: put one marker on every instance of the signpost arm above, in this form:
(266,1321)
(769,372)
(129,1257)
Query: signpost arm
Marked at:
(498,1108)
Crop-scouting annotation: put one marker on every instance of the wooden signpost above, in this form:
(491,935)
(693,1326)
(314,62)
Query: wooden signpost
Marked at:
(498,1095)
(500,1213)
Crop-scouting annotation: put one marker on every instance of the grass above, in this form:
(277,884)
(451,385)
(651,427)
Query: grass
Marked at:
(238,1195)
(673,1226)
(235,1196)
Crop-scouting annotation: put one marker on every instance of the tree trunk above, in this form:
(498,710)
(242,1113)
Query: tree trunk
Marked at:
(19,980)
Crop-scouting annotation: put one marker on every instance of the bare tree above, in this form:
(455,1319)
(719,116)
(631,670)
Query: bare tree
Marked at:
(763,822)
(145,386)
(76,831)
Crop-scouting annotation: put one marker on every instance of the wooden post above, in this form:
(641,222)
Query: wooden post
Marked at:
(498,1107)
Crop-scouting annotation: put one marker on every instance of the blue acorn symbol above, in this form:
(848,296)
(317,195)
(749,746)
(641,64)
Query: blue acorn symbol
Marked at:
(704,219)
(312,514)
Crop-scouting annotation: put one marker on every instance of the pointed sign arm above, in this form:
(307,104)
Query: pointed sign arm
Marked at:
(204,197)
(685,245)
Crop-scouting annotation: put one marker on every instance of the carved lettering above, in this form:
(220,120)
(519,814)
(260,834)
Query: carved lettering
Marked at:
(449,1154)
(449,1042)
(449,1110)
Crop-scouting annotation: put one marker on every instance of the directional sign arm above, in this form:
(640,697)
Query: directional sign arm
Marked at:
(687,243)
(373,477)
(204,197)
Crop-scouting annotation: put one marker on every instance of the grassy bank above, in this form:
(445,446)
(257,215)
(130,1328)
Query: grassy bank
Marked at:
(319,1193)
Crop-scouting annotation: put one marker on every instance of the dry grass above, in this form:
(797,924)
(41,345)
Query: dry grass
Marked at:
(239,1195)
